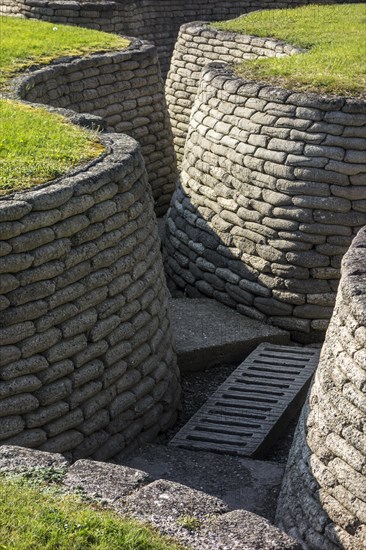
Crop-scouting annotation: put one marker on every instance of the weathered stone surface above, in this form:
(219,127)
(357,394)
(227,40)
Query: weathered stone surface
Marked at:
(11,425)
(18,404)
(167,504)
(14,369)
(20,459)
(215,474)
(241,527)
(16,333)
(108,481)
(164,502)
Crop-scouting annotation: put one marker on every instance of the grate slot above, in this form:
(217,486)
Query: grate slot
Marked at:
(266,369)
(226,422)
(208,439)
(249,406)
(261,378)
(231,449)
(249,398)
(226,411)
(291,350)
(216,430)
(253,391)
(280,361)
(256,383)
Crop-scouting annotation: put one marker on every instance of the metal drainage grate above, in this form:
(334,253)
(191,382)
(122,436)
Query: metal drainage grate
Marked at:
(250,410)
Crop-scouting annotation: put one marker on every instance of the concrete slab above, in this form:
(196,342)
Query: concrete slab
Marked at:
(170,501)
(240,483)
(196,518)
(207,333)
(175,510)
(19,459)
(202,521)
(108,481)
(243,530)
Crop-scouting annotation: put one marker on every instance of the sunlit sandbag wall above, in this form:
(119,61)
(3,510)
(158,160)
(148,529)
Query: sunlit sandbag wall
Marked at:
(323,496)
(125,89)
(272,192)
(87,366)
(198,44)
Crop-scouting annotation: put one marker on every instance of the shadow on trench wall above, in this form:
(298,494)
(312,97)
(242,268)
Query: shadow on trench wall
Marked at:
(204,259)
(270,196)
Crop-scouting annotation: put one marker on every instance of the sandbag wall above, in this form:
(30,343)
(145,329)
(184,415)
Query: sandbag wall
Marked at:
(87,366)
(198,44)
(323,496)
(125,89)
(272,192)
(155,20)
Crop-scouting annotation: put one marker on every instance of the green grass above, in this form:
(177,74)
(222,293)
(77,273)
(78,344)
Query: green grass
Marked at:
(335,37)
(27,43)
(189,522)
(35,146)
(35,515)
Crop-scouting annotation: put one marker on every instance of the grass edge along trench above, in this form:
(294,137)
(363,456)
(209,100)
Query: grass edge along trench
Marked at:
(35,145)
(36,512)
(334,37)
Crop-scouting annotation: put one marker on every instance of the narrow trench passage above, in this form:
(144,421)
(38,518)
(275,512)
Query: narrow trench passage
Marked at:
(198,386)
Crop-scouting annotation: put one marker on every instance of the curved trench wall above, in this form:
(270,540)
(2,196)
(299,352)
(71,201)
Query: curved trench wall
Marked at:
(155,20)
(323,496)
(125,89)
(196,46)
(87,365)
(272,192)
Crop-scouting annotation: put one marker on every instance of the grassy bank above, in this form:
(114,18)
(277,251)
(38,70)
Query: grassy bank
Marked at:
(36,146)
(335,40)
(35,515)
(26,43)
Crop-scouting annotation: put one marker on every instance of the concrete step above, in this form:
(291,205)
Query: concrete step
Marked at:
(201,521)
(241,483)
(208,333)
(249,412)
(208,501)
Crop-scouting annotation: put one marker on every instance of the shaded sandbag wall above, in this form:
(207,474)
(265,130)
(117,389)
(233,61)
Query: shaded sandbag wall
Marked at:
(125,89)
(272,192)
(154,20)
(323,496)
(87,366)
